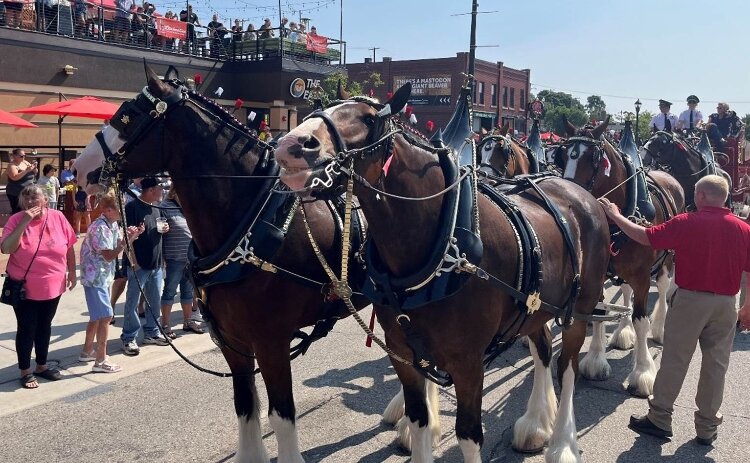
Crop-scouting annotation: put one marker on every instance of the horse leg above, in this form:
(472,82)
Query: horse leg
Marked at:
(663,284)
(276,369)
(533,429)
(402,425)
(395,409)
(418,436)
(641,379)
(250,448)
(563,444)
(469,379)
(623,337)
(594,365)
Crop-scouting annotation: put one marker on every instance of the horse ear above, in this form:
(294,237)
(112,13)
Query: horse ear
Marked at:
(504,129)
(570,129)
(599,130)
(342,94)
(155,85)
(172,73)
(397,101)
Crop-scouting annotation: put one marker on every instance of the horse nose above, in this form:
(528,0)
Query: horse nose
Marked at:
(309,142)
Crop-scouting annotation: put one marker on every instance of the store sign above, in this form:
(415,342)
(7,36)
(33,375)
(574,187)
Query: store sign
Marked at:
(301,88)
(427,90)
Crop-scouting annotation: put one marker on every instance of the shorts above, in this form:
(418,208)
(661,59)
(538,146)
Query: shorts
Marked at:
(177,274)
(121,269)
(97,301)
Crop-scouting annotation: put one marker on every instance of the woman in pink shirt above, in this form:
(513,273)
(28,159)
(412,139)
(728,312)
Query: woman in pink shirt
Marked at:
(39,240)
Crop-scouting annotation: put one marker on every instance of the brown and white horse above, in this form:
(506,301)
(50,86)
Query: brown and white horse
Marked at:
(502,155)
(593,162)
(458,328)
(215,167)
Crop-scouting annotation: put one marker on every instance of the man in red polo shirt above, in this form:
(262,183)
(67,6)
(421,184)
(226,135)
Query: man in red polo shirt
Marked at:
(712,248)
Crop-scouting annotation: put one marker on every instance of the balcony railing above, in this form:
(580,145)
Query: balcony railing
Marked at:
(169,35)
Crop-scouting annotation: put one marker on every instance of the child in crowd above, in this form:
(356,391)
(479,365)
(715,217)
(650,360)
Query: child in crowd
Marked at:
(103,243)
(50,185)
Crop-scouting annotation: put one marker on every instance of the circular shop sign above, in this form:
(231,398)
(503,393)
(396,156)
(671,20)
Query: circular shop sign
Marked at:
(297,89)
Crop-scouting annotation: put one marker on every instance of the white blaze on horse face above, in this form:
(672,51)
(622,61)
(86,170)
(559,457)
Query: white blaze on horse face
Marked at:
(572,164)
(92,158)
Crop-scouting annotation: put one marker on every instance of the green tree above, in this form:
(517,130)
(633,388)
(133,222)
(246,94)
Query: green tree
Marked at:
(596,108)
(644,118)
(329,86)
(559,106)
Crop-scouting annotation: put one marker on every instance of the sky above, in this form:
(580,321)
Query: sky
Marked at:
(621,51)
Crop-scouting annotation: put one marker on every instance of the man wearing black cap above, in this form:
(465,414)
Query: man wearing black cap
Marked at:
(664,121)
(691,117)
(145,269)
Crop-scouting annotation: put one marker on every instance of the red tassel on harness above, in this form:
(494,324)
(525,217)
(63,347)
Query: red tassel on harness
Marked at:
(368,342)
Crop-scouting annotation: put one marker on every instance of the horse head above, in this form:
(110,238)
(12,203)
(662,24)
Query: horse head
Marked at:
(498,152)
(662,149)
(581,156)
(357,130)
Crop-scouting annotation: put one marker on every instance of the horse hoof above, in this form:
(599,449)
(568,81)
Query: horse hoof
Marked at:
(528,451)
(632,390)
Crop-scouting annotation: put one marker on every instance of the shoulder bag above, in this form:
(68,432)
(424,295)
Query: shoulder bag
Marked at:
(13,291)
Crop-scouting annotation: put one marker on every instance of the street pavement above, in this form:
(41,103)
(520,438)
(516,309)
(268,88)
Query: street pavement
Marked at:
(159,409)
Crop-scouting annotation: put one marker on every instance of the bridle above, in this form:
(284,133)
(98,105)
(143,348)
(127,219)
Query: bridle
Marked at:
(576,143)
(656,155)
(137,117)
(507,150)
(342,162)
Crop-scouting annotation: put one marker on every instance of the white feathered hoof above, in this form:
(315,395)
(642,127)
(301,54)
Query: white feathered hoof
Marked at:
(594,366)
(404,434)
(565,454)
(657,330)
(624,336)
(525,341)
(395,409)
(529,436)
(641,383)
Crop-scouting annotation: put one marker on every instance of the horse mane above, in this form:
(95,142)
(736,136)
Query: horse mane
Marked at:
(226,116)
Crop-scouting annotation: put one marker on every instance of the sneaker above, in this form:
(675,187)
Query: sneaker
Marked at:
(155,341)
(131,349)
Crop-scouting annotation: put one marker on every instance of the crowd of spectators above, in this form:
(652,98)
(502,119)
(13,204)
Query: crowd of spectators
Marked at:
(135,23)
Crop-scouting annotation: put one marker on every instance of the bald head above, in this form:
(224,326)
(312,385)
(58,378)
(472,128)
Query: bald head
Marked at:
(714,189)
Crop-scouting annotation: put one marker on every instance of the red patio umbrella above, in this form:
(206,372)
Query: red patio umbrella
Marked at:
(88,107)
(10,119)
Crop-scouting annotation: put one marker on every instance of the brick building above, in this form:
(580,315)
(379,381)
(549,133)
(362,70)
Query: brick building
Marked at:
(500,93)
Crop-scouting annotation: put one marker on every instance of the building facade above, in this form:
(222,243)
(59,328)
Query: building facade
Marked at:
(500,94)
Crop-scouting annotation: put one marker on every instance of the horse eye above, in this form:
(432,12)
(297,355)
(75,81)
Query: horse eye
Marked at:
(369,120)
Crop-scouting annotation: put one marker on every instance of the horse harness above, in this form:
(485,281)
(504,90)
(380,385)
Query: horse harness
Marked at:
(458,249)
(261,231)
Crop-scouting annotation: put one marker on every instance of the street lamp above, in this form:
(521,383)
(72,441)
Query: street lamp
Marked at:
(637,112)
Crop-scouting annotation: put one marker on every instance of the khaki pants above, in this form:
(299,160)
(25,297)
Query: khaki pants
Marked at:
(694,317)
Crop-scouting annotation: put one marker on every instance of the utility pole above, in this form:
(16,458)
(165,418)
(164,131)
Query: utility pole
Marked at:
(473,42)
(341,28)
(373,52)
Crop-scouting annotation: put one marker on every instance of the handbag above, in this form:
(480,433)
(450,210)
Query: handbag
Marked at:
(13,292)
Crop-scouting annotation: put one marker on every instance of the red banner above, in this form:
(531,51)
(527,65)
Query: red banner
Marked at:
(317,43)
(171,28)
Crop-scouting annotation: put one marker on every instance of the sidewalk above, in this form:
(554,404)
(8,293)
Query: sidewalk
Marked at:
(68,332)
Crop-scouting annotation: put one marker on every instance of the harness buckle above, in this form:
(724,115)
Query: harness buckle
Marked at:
(161,107)
(533,302)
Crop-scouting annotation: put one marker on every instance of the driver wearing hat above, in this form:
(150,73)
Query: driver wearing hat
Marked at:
(664,121)
(691,117)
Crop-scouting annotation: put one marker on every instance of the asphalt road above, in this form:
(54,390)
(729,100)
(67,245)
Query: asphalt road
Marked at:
(170,412)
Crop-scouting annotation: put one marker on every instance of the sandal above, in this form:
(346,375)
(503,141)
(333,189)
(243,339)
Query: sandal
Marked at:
(191,325)
(106,367)
(168,332)
(29,381)
(49,374)
(87,356)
